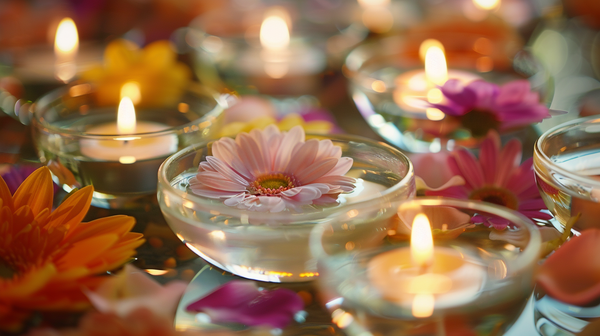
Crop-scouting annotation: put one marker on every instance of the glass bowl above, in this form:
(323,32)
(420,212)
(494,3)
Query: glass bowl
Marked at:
(478,283)
(274,246)
(566,161)
(387,84)
(68,130)
(228,51)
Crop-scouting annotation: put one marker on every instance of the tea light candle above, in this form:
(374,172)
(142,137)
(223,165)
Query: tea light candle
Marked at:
(280,56)
(126,147)
(414,89)
(423,277)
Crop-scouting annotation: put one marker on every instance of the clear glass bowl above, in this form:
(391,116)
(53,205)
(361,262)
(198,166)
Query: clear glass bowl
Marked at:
(566,161)
(370,287)
(121,168)
(382,75)
(228,52)
(274,246)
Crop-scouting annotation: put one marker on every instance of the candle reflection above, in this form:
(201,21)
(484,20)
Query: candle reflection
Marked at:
(275,40)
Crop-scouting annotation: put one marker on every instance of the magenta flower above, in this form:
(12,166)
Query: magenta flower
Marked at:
(241,302)
(482,106)
(269,170)
(497,177)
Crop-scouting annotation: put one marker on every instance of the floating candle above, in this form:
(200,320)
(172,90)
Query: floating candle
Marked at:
(126,147)
(423,277)
(415,89)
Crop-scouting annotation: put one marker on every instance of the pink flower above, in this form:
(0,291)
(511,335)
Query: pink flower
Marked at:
(269,170)
(482,106)
(242,302)
(497,177)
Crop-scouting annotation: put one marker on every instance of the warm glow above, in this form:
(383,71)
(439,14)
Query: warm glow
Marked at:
(126,116)
(486,4)
(425,45)
(66,44)
(421,242)
(66,40)
(131,90)
(423,305)
(370,3)
(434,114)
(436,70)
(274,33)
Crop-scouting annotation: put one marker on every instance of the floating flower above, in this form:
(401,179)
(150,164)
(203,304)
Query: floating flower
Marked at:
(497,177)
(242,302)
(482,106)
(269,170)
(160,78)
(131,289)
(251,112)
(47,257)
(140,322)
(571,274)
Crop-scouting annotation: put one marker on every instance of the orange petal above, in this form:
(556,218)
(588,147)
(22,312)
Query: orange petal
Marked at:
(5,195)
(36,191)
(119,225)
(26,284)
(70,213)
(85,251)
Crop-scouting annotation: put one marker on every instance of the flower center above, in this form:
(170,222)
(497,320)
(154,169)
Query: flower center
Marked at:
(272,184)
(479,122)
(6,271)
(497,196)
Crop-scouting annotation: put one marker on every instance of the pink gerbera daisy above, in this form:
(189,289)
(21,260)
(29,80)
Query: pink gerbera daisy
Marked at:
(497,177)
(269,170)
(482,106)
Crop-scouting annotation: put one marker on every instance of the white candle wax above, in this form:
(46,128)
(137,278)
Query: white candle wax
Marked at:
(297,59)
(454,279)
(129,148)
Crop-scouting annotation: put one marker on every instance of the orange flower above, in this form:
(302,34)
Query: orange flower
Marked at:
(47,257)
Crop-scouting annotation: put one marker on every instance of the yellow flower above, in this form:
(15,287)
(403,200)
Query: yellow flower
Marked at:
(47,257)
(160,78)
(285,124)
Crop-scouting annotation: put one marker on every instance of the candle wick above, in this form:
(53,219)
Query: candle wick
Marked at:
(125,142)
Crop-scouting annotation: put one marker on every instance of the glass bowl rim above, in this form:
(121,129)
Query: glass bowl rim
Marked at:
(539,154)
(196,88)
(524,260)
(163,182)
(357,56)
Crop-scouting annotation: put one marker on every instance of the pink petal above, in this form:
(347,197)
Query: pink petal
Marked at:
(454,90)
(290,140)
(513,92)
(469,167)
(336,180)
(522,178)
(536,215)
(226,150)
(271,203)
(485,92)
(225,170)
(488,156)
(342,167)
(303,156)
(510,156)
(455,192)
(251,155)
(235,200)
(328,150)
(201,189)
(241,302)
(316,170)
(306,194)
(219,182)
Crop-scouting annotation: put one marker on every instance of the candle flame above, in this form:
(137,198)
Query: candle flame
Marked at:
(131,90)
(421,242)
(126,116)
(486,4)
(436,70)
(423,305)
(274,31)
(66,40)
(66,43)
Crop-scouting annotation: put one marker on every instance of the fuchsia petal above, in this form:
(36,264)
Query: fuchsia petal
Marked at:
(510,156)
(513,93)
(488,157)
(463,96)
(241,302)
(469,167)
(485,92)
